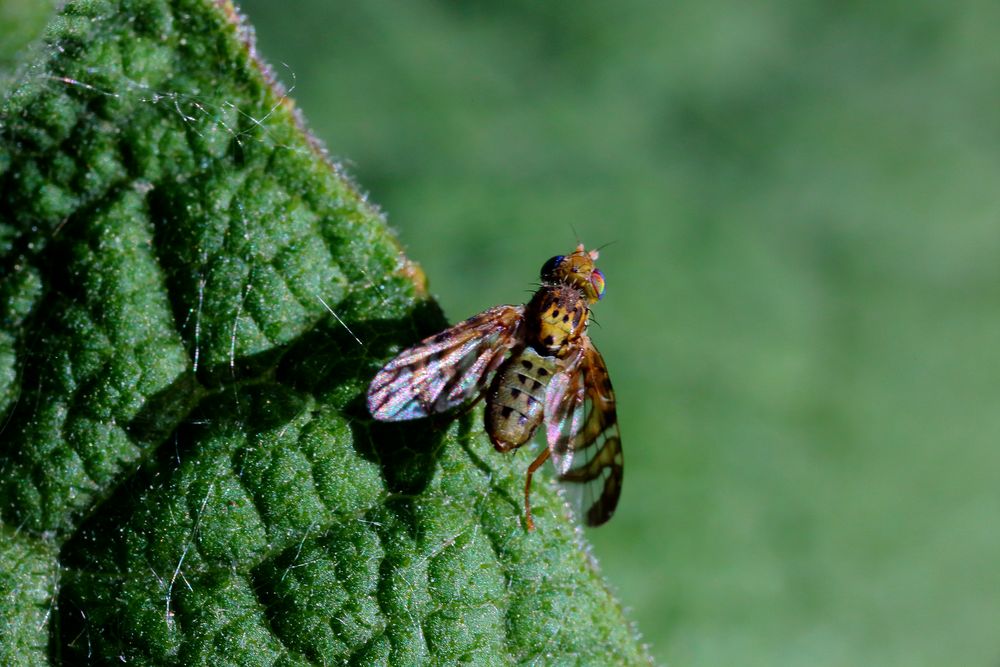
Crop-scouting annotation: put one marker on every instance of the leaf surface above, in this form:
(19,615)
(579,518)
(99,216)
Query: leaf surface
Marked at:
(188,473)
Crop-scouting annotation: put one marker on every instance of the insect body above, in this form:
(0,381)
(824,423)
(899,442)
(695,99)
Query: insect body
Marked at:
(517,399)
(535,365)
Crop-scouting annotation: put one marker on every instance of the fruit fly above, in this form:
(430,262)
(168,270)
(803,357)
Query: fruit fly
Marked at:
(535,365)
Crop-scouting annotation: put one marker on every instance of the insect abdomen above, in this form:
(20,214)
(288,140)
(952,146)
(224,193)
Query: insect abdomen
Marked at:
(517,398)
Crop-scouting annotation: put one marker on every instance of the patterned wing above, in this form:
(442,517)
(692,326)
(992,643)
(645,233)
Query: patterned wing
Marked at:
(445,370)
(581,425)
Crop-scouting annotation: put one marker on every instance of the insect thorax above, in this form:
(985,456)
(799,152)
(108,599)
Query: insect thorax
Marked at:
(517,398)
(556,317)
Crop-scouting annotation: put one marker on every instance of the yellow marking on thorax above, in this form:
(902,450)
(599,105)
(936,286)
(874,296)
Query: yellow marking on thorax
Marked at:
(561,314)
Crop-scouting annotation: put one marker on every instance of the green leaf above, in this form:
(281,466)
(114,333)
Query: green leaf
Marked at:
(188,474)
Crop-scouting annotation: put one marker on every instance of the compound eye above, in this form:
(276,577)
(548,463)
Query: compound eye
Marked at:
(597,280)
(549,268)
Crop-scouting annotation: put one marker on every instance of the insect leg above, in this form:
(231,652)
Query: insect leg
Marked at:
(535,465)
(468,407)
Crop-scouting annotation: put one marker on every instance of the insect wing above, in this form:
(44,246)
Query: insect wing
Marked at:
(445,370)
(565,403)
(581,425)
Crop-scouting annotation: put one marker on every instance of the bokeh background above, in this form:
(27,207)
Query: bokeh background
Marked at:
(803,310)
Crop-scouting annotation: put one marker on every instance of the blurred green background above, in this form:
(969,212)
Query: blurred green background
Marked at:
(803,309)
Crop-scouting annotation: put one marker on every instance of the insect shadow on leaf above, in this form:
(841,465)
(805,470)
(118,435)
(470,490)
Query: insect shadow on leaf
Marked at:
(328,360)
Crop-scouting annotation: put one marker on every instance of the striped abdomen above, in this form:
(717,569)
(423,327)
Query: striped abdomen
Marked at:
(514,408)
